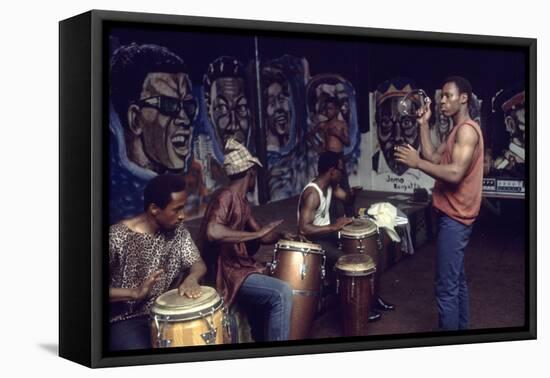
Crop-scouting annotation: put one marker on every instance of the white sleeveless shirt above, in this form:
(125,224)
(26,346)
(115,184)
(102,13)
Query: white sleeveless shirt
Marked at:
(322,216)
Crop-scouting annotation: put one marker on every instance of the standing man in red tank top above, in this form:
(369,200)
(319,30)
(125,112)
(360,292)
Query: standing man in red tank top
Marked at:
(457,166)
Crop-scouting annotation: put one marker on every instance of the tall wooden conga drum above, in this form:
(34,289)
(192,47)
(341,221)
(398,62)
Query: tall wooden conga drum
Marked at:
(363,236)
(302,266)
(355,288)
(181,321)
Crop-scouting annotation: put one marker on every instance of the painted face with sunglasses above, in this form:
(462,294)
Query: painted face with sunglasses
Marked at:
(393,130)
(161,120)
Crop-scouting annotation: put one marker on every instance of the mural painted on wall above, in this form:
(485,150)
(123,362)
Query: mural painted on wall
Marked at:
(389,129)
(332,120)
(172,111)
(152,112)
(283,109)
(162,123)
(506,158)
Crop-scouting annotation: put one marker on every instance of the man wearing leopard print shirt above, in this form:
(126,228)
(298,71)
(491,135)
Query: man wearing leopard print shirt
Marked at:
(148,255)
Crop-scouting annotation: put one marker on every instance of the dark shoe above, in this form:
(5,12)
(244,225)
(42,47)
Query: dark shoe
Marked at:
(374,316)
(383,305)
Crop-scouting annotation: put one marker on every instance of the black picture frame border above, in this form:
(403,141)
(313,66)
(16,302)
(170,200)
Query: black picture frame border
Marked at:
(83,189)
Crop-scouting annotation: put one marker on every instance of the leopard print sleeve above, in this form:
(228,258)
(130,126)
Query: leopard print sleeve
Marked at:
(189,253)
(117,238)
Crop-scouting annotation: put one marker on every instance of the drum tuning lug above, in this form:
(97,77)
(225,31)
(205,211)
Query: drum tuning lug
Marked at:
(161,342)
(337,286)
(209,336)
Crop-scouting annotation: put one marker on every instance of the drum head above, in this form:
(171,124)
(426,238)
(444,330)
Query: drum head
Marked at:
(355,264)
(299,246)
(359,227)
(179,307)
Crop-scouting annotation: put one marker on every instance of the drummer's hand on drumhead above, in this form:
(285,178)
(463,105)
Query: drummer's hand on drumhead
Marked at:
(289,236)
(342,221)
(303,239)
(142,291)
(190,288)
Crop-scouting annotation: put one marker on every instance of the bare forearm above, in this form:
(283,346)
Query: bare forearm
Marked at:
(220,233)
(197,271)
(271,238)
(312,231)
(120,294)
(449,173)
(428,149)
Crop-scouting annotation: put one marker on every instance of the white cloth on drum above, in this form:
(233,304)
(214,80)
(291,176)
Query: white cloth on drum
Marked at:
(384,214)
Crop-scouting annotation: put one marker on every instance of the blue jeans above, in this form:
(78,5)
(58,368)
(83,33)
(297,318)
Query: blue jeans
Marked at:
(128,334)
(450,286)
(260,291)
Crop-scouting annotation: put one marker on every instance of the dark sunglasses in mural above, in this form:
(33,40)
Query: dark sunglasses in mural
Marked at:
(170,106)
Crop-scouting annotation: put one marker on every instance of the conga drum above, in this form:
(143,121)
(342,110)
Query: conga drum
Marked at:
(302,266)
(355,289)
(181,321)
(361,236)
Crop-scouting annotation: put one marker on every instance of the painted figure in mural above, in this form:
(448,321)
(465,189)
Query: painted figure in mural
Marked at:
(332,123)
(511,160)
(226,227)
(314,220)
(457,166)
(283,105)
(151,122)
(393,129)
(148,255)
(226,100)
(278,108)
(333,131)
(151,93)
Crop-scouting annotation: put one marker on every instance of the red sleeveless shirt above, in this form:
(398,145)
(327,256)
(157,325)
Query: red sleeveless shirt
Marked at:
(461,201)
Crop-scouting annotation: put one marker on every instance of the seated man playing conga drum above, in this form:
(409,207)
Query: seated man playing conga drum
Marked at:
(226,227)
(313,209)
(148,254)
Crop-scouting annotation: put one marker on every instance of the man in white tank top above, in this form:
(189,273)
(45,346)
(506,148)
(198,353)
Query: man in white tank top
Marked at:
(314,202)
(313,211)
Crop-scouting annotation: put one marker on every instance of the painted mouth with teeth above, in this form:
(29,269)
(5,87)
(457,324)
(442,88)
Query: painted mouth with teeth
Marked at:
(180,142)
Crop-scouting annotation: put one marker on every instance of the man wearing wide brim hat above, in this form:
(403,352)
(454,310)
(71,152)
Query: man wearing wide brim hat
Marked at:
(227,224)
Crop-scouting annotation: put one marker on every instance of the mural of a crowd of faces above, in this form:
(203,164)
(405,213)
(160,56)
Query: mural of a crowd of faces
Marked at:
(176,97)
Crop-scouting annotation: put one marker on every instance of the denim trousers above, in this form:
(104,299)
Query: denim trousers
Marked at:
(451,288)
(270,297)
(129,334)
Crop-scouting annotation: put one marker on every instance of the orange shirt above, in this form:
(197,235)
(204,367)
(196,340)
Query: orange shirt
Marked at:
(461,201)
